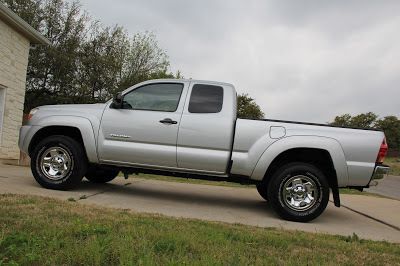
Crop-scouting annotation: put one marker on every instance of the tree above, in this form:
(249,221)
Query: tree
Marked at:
(26,9)
(102,60)
(247,108)
(86,62)
(391,126)
(52,75)
(366,120)
(342,121)
(144,59)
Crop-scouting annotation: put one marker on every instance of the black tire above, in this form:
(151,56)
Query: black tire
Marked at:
(294,172)
(262,190)
(75,171)
(97,174)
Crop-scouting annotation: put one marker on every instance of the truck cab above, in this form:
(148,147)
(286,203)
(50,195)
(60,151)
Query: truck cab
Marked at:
(180,124)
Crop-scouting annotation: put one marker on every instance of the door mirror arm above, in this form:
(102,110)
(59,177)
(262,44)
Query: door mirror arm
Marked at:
(117,101)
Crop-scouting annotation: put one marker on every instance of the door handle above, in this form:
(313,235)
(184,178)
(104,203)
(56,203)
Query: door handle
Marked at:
(168,121)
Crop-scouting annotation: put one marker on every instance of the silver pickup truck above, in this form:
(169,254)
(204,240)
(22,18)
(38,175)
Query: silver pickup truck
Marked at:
(189,128)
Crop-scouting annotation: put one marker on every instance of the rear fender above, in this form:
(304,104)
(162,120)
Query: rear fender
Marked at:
(284,144)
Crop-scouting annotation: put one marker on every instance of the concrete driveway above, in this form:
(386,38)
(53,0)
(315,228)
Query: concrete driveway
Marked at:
(390,187)
(368,217)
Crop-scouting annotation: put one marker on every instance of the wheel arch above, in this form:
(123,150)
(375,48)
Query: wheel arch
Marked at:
(320,151)
(78,128)
(312,156)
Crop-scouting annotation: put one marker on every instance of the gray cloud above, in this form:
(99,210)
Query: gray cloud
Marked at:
(300,60)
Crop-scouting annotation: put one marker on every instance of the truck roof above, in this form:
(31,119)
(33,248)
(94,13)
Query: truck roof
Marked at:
(192,80)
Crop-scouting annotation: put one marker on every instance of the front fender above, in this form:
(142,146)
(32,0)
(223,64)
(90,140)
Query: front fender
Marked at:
(83,124)
(329,144)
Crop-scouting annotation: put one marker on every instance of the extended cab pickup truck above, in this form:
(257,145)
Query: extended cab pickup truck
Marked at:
(189,128)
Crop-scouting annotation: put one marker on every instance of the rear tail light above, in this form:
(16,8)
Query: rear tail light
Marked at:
(382,151)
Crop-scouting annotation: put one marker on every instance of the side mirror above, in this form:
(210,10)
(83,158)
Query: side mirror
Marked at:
(117,101)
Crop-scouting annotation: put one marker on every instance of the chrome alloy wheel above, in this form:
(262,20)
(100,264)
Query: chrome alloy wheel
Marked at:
(55,163)
(300,192)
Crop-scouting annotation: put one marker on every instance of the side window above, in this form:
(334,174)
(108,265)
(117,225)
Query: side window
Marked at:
(154,97)
(206,99)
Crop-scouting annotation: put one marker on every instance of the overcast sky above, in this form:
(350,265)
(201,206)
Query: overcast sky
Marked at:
(300,60)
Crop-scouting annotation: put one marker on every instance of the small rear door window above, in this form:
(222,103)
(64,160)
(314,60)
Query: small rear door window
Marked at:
(206,99)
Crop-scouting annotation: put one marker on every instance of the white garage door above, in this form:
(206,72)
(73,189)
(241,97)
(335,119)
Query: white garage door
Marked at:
(2,106)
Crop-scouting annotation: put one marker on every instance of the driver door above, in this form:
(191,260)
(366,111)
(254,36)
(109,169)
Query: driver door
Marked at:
(144,132)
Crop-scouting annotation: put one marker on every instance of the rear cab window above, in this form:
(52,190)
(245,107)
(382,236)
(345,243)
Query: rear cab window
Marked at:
(206,99)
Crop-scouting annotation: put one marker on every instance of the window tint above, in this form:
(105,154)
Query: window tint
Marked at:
(206,99)
(155,97)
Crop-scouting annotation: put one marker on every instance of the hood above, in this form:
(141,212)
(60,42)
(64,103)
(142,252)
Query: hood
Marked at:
(74,107)
(90,111)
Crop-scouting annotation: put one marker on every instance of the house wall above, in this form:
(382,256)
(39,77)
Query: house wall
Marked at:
(14,52)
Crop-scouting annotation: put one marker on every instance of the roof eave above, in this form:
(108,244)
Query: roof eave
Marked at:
(20,25)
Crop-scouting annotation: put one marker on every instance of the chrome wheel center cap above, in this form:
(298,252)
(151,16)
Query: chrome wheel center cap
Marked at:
(300,192)
(58,161)
(55,163)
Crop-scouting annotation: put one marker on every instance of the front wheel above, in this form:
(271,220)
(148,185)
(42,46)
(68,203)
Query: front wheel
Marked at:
(298,192)
(58,162)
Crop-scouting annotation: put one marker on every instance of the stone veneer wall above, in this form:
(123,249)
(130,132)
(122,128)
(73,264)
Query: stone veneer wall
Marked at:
(14,52)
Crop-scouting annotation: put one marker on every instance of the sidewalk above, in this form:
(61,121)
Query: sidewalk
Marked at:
(381,209)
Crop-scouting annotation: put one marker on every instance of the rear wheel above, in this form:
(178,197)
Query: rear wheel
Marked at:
(58,162)
(298,192)
(97,174)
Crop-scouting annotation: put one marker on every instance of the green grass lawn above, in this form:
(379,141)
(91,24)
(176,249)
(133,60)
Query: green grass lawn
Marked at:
(394,163)
(43,231)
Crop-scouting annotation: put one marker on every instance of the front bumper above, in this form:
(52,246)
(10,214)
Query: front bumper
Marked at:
(380,172)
